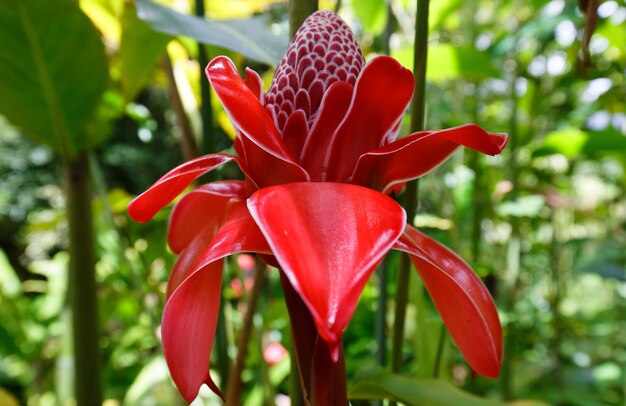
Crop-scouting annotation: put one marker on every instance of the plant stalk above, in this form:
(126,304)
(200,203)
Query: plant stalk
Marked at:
(82,282)
(234,380)
(410,202)
(299,10)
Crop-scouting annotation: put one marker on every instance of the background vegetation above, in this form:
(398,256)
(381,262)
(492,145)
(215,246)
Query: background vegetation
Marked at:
(544,224)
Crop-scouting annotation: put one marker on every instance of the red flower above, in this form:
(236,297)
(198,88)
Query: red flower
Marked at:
(319,156)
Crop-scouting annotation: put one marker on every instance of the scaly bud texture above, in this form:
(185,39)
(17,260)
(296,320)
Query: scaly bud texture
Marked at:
(322,52)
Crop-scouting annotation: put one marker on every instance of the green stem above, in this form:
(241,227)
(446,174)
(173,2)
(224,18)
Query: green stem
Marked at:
(299,10)
(410,203)
(234,380)
(82,282)
(439,354)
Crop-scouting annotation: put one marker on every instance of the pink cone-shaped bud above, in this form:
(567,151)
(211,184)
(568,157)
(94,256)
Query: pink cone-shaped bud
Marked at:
(322,52)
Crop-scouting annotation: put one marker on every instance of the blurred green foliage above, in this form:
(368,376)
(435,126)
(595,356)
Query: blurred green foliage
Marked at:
(544,224)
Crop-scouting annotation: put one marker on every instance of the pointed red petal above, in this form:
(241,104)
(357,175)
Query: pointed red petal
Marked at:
(146,205)
(464,303)
(191,311)
(414,155)
(332,110)
(381,96)
(261,141)
(328,238)
(201,208)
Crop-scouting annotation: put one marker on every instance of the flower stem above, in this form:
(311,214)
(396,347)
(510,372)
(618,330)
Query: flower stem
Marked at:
(234,380)
(410,203)
(299,10)
(82,282)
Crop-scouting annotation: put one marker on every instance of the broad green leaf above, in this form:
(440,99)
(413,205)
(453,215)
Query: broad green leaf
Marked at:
(250,37)
(446,62)
(372,14)
(140,49)
(53,71)
(376,384)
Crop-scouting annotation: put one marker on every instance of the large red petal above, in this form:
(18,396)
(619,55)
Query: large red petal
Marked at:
(188,329)
(414,155)
(381,96)
(170,185)
(191,311)
(463,301)
(328,238)
(204,207)
(332,111)
(261,141)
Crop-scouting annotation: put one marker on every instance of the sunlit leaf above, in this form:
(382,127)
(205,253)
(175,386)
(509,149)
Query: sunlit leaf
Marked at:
(250,37)
(140,49)
(53,71)
(372,14)
(446,62)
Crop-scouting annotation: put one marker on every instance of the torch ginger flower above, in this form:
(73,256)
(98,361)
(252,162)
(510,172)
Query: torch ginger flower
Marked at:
(320,156)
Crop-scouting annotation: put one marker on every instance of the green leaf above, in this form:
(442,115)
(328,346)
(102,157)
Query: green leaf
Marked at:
(372,14)
(140,49)
(572,142)
(250,37)
(567,141)
(53,70)
(446,62)
(376,384)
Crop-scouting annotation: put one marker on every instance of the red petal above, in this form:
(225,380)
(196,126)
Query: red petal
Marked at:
(191,312)
(381,96)
(464,303)
(170,185)
(188,329)
(238,233)
(201,208)
(332,110)
(295,132)
(261,141)
(414,155)
(328,238)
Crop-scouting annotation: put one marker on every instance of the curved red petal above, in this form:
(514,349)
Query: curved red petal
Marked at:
(328,238)
(261,141)
(192,307)
(462,299)
(163,191)
(381,95)
(332,111)
(201,208)
(416,154)
(238,233)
